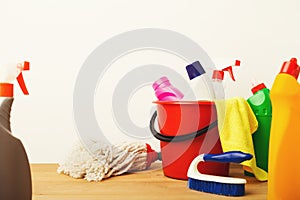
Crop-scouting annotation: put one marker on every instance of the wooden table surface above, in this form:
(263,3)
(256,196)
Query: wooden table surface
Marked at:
(150,184)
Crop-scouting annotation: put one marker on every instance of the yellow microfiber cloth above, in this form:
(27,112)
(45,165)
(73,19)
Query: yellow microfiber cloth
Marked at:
(236,123)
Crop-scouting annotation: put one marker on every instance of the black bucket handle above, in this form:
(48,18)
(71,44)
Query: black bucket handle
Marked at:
(167,138)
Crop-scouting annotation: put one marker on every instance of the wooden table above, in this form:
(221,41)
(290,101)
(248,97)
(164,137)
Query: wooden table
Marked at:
(150,184)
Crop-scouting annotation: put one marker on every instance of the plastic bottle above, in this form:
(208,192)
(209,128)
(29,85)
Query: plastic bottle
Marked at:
(165,91)
(14,165)
(261,106)
(284,150)
(199,82)
(217,78)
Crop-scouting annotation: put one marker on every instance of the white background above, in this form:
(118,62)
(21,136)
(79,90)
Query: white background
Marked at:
(57,36)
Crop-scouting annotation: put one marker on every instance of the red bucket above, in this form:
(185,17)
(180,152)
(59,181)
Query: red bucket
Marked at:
(187,129)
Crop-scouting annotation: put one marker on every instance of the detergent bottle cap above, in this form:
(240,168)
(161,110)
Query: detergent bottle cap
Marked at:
(194,70)
(165,91)
(163,81)
(258,87)
(291,67)
(218,75)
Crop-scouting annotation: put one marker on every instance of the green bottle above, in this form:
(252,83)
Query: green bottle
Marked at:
(261,105)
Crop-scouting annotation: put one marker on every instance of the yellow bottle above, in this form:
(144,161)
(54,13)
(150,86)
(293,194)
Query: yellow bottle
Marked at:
(284,148)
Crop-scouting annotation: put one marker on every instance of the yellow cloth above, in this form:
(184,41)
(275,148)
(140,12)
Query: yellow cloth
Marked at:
(236,123)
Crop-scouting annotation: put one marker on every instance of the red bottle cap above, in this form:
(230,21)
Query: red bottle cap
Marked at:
(258,87)
(291,67)
(218,74)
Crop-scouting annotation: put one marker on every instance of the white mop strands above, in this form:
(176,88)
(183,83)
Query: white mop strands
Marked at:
(107,160)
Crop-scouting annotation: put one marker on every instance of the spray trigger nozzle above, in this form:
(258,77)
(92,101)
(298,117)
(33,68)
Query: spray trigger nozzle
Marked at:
(229,70)
(219,74)
(20,79)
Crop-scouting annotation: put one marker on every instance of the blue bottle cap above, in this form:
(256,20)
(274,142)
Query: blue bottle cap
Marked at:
(194,70)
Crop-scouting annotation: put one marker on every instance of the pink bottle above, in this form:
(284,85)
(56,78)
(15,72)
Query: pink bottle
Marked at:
(165,91)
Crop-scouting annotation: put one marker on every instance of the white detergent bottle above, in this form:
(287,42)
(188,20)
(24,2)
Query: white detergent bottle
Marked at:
(200,84)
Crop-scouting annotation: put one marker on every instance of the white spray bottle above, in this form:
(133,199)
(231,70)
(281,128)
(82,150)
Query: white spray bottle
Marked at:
(218,77)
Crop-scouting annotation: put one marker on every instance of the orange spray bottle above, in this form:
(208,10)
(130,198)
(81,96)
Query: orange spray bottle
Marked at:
(284,149)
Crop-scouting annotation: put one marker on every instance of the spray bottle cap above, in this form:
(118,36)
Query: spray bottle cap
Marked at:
(194,70)
(291,67)
(219,74)
(7,89)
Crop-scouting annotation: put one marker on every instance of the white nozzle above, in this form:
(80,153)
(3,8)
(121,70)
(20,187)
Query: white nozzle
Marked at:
(9,72)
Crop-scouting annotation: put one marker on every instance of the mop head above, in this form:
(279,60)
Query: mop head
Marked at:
(106,160)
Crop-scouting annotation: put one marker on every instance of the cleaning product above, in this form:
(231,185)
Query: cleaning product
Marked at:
(217,184)
(199,82)
(165,91)
(260,104)
(284,151)
(107,160)
(14,166)
(217,79)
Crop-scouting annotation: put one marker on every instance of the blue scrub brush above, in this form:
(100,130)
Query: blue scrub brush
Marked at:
(217,184)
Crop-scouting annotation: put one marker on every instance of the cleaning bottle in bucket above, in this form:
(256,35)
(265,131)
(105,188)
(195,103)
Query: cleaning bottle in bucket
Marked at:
(165,91)
(199,82)
(14,165)
(260,103)
(284,151)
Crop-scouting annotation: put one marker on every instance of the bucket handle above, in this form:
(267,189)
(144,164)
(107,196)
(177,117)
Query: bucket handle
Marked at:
(167,138)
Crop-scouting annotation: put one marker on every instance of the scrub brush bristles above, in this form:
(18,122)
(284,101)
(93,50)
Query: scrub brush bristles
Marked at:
(216,187)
